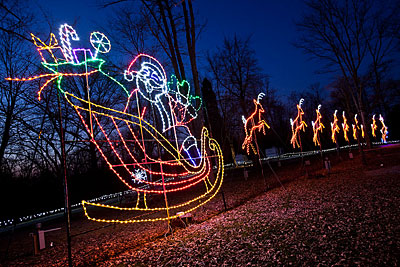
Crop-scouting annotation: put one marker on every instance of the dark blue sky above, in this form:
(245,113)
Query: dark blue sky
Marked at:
(270,23)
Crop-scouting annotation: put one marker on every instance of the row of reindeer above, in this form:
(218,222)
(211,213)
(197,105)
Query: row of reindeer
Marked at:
(256,122)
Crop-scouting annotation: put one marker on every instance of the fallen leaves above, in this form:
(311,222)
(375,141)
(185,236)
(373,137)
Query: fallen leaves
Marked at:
(348,218)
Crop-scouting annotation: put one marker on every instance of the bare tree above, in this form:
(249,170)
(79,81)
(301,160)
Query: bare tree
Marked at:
(170,26)
(238,80)
(341,33)
(162,26)
(237,72)
(14,61)
(381,40)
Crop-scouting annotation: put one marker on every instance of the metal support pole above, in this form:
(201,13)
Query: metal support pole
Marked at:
(259,158)
(165,195)
(67,210)
(215,160)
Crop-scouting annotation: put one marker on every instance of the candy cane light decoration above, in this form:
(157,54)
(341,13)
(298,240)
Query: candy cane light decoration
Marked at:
(297,124)
(334,127)
(66,31)
(254,122)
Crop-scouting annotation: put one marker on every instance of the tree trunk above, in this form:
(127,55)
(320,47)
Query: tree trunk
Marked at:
(168,38)
(7,125)
(175,43)
(5,137)
(191,44)
(362,113)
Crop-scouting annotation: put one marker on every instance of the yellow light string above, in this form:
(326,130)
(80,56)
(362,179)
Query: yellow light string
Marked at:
(41,46)
(216,185)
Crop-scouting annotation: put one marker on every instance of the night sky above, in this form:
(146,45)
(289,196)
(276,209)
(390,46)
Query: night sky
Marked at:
(270,23)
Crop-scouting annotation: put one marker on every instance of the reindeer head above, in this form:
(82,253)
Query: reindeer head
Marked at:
(301,102)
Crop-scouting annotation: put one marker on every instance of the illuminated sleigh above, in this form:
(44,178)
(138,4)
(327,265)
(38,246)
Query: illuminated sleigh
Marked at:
(177,182)
(168,176)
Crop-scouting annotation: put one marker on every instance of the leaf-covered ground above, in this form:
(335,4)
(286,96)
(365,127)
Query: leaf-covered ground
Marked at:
(349,217)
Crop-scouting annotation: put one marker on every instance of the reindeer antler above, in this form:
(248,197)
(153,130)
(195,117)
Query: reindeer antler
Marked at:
(243,119)
(260,95)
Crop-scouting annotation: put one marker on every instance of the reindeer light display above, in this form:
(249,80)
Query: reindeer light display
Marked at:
(253,123)
(346,127)
(356,128)
(297,124)
(317,127)
(334,127)
(374,127)
(384,129)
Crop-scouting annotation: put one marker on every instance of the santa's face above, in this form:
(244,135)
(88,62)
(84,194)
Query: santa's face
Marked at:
(150,79)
